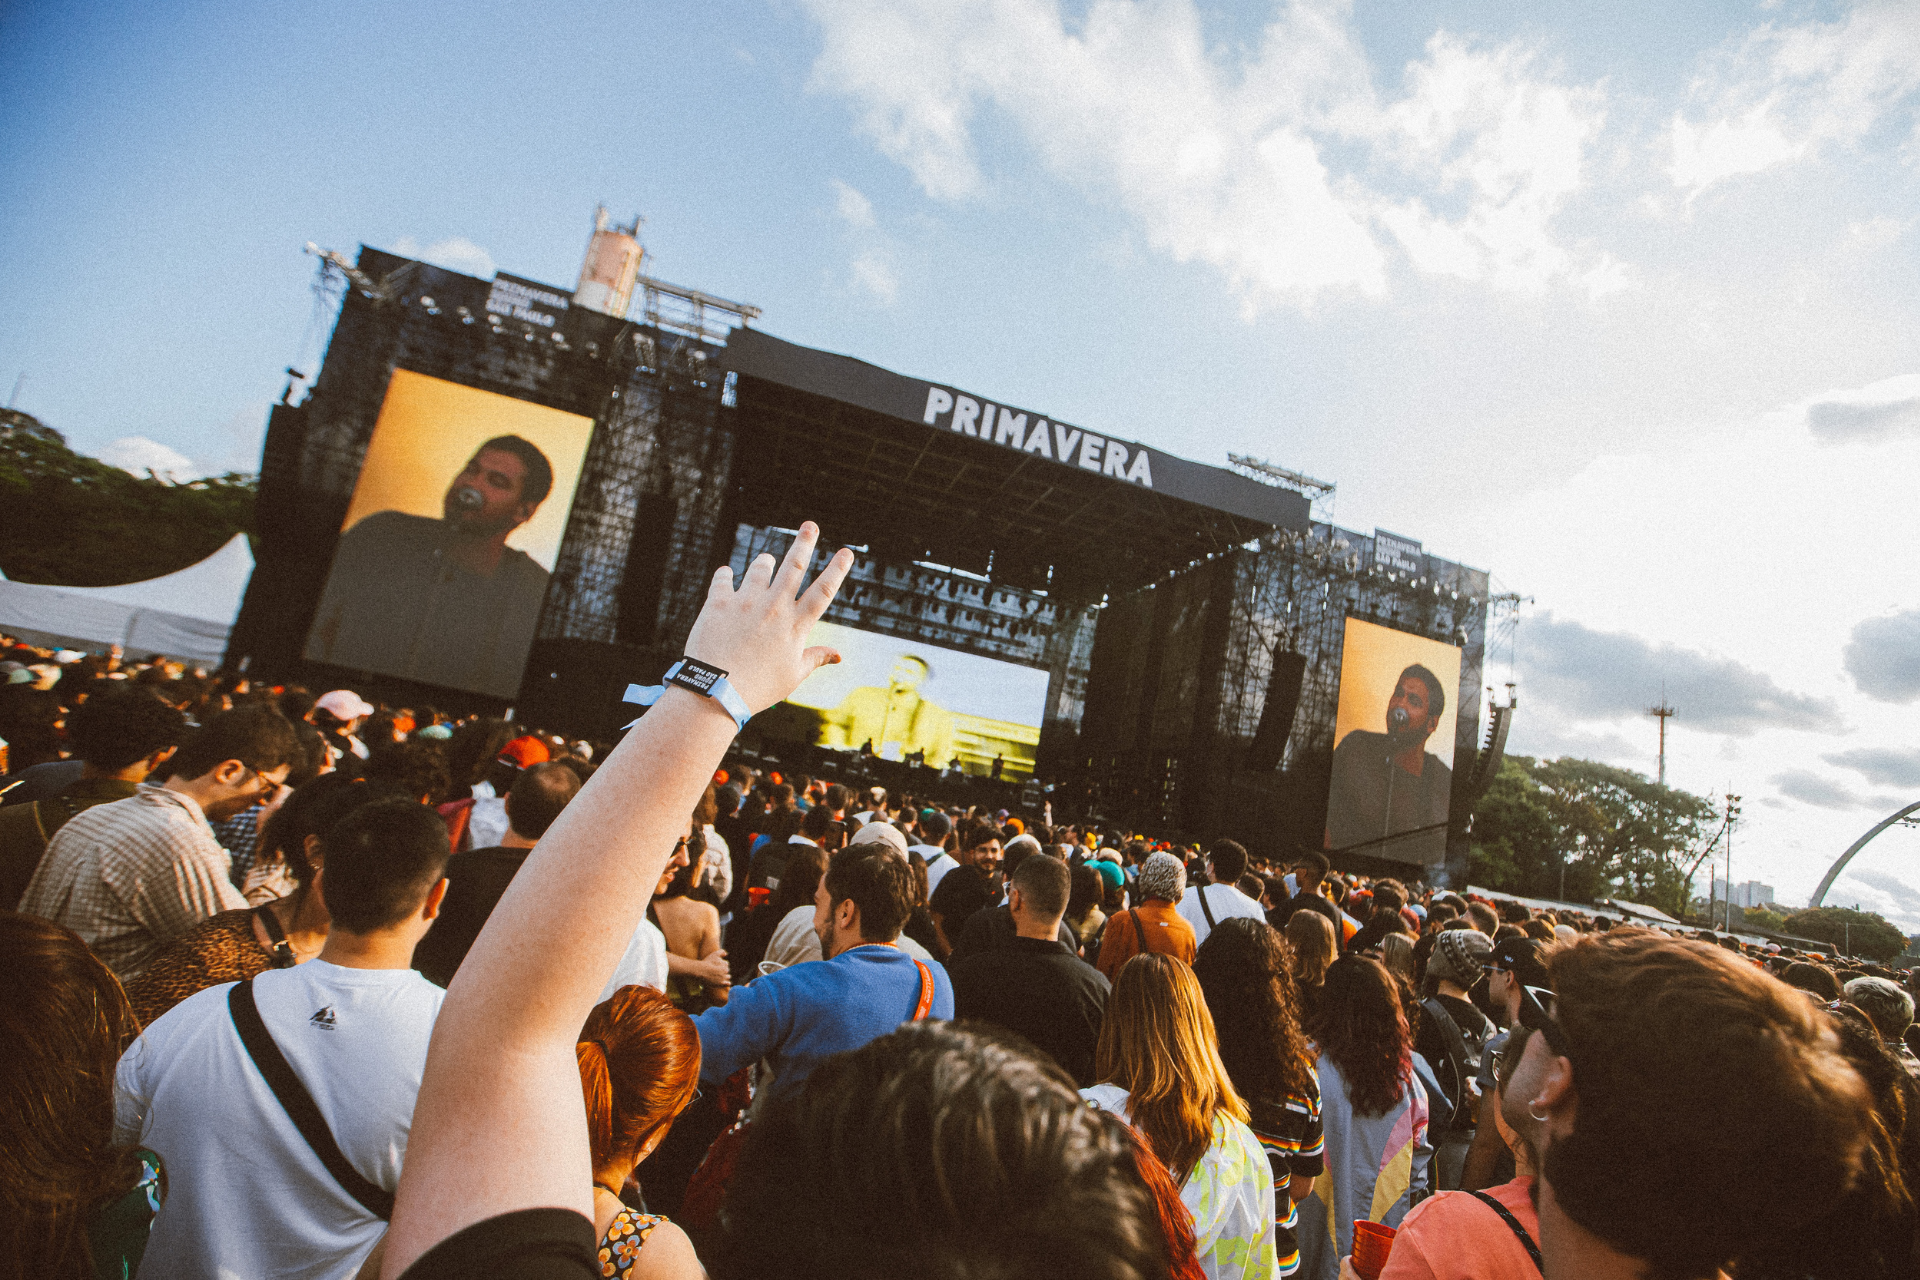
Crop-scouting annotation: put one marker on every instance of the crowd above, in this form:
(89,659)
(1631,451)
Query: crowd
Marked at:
(300,986)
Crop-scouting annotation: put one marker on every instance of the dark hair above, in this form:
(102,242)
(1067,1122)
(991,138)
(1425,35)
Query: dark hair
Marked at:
(1436,696)
(111,731)
(1484,917)
(1245,969)
(295,702)
(639,1062)
(381,860)
(964,890)
(1087,889)
(837,798)
(976,832)
(858,1176)
(417,768)
(1312,858)
(538,796)
(65,1021)
(799,880)
(878,881)
(1675,1047)
(1229,859)
(258,736)
(1359,1023)
(539,478)
(312,810)
(472,749)
(1044,883)
(935,826)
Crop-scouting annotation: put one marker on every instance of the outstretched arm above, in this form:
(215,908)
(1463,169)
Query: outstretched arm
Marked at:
(500,1124)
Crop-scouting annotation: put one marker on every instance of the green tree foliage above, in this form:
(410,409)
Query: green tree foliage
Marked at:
(1862,932)
(71,521)
(1618,833)
(1759,918)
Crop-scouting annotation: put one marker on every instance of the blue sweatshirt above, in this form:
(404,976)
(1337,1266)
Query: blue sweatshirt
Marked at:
(802,1015)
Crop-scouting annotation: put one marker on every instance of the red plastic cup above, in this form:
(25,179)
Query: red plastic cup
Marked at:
(1371,1244)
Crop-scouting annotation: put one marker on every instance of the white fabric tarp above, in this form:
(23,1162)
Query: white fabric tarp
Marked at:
(184,615)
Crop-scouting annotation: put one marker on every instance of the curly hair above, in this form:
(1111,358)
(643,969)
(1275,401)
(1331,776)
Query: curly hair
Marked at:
(1360,1023)
(1245,972)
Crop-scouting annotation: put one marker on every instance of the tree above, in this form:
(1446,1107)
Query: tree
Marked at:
(1596,829)
(67,520)
(1761,918)
(1860,933)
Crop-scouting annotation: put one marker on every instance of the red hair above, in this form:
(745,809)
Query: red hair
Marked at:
(639,1066)
(1176,1222)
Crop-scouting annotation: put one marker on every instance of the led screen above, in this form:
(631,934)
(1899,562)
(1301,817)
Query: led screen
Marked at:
(921,702)
(452,531)
(1393,745)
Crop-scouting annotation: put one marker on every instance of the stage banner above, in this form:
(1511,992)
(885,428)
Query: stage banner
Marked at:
(452,531)
(1393,745)
(902,699)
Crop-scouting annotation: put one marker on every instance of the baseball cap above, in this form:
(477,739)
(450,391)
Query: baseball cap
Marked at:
(524,751)
(880,833)
(437,732)
(343,704)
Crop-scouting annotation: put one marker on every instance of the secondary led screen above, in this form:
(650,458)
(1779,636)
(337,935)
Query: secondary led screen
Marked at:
(906,700)
(453,528)
(1393,745)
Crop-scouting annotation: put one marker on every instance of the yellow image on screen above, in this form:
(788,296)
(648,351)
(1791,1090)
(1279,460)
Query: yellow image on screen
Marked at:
(1392,783)
(450,536)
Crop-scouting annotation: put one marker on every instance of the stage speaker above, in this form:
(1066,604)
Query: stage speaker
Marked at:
(1276,719)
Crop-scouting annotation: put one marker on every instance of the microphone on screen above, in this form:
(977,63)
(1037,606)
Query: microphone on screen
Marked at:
(1398,721)
(468,498)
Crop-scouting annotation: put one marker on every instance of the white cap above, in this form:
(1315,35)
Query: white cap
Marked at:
(343,704)
(881,833)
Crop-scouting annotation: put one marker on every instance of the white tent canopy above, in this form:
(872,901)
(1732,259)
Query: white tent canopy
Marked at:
(184,615)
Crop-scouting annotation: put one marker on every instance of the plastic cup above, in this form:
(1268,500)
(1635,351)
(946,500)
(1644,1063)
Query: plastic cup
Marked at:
(1371,1244)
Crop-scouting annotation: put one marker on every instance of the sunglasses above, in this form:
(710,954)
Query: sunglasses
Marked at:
(1536,1011)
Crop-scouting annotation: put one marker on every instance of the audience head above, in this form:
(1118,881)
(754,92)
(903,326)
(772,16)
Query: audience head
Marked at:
(944,1151)
(799,880)
(1244,970)
(1226,861)
(236,759)
(1310,935)
(126,730)
(980,846)
(384,868)
(1038,890)
(935,826)
(639,1067)
(1087,890)
(64,1021)
(1359,1024)
(1890,1008)
(1016,851)
(865,896)
(537,798)
(418,768)
(1163,878)
(1653,1062)
(1158,1042)
(1459,956)
(1484,917)
(1310,867)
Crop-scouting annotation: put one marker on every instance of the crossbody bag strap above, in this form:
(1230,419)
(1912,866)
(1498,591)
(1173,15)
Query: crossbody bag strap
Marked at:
(1456,1043)
(1205,910)
(1139,932)
(1506,1216)
(299,1104)
(278,947)
(925,1006)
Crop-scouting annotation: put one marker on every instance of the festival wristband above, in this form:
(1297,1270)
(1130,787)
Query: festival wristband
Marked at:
(690,673)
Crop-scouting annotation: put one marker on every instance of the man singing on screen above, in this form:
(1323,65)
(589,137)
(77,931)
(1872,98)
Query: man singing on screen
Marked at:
(894,717)
(1388,783)
(444,601)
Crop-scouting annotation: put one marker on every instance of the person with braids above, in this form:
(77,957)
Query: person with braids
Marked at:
(74,1204)
(1375,1113)
(639,1068)
(1161,1072)
(1244,971)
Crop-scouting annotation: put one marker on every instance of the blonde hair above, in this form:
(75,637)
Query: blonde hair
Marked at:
(1311,935)
(1396,949)
(1158,1044)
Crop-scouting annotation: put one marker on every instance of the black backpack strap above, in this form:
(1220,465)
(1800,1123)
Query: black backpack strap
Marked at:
(1205,910)
(1140,946)
(1513,1223)
(299,1104)
(1456,1044)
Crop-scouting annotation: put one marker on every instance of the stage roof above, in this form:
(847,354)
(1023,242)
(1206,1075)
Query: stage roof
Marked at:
(920,470)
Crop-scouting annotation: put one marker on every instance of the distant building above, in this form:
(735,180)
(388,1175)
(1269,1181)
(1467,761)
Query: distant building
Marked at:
(1748,894)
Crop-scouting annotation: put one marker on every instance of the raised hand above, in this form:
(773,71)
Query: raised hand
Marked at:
(757,633)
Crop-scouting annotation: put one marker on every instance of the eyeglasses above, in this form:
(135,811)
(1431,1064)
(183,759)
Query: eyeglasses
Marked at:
(1537,1006)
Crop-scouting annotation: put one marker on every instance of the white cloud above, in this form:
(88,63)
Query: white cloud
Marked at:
(854,209)
(1785,92)
(139,455)
(872,274)
(1281,167)
(456,253)
(1884,410)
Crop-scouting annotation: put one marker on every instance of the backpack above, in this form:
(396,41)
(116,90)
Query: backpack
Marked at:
(1465,1050)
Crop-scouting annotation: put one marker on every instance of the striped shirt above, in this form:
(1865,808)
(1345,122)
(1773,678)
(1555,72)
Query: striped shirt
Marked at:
(1291,1135)
(131,876)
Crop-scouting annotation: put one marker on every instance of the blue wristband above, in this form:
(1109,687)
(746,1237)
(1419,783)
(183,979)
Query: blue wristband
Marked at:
(698,677)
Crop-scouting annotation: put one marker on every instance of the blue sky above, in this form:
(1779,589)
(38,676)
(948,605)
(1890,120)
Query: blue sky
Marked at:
(1617,301)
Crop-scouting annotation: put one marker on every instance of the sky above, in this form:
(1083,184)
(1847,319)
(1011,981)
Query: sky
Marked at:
(1618,302)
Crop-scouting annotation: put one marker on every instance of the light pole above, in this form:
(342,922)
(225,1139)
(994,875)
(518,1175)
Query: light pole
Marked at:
(1733,816)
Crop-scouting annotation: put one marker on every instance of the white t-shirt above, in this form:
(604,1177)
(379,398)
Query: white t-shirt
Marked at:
(1226,901)
(487,822)
(643,965)
(246,1195)
(795,942)
(939,862)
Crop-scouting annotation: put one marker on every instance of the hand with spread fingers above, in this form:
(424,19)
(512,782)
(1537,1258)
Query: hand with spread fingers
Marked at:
(757,632)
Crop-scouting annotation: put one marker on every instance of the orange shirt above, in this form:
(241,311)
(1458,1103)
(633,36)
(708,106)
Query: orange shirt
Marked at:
(1455,1236)
(1167,934)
